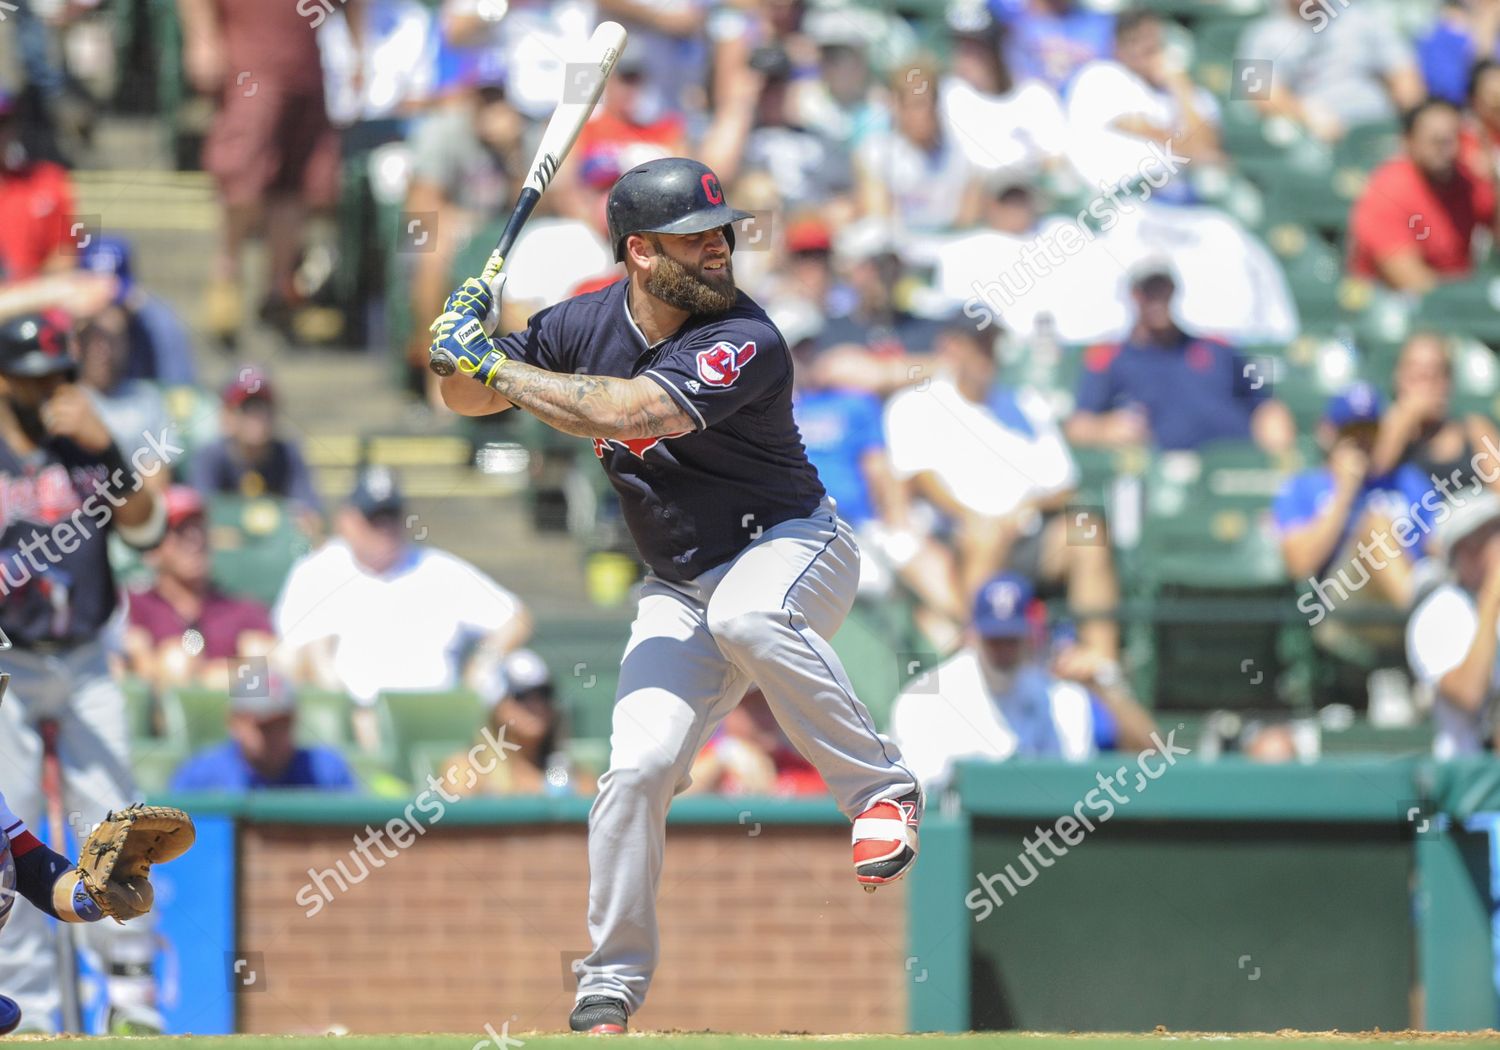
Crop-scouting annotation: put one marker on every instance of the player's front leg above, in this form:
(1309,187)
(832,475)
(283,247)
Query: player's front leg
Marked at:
(771,615)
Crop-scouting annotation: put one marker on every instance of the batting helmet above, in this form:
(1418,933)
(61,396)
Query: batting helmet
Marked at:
(36,345)
(670,195)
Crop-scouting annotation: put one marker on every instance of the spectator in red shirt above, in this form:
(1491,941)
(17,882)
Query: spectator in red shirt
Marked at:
(750,755)
(183,629)
(1480,139)
(1415,223)
(36,205)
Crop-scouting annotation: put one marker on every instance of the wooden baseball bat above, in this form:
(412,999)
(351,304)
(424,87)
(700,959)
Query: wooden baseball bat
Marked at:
(580,94)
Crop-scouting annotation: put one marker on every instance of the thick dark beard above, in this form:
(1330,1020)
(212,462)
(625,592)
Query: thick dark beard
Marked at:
(676,285)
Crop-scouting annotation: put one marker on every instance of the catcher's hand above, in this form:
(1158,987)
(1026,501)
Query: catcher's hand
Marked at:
(115,868)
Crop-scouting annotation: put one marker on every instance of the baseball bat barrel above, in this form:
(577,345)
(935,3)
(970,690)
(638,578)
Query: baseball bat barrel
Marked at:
(585,83)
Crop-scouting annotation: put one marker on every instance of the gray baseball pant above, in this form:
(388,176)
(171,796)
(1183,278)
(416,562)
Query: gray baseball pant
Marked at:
(695,648)
(76,689)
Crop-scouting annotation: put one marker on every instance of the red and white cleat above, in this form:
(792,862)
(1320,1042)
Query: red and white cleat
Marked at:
(885,840)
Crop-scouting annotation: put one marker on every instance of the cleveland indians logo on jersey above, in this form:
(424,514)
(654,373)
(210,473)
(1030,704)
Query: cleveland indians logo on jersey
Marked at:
(721,363)
(638,446)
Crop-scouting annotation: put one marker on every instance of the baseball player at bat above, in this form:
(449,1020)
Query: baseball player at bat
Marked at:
(112,878)
(685,387)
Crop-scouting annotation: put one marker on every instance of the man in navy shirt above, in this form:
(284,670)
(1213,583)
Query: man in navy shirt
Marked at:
(1165,387)
(262,752)
(685,387)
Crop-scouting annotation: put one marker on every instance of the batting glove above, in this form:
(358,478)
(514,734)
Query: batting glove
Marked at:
(473,297)
(462,337)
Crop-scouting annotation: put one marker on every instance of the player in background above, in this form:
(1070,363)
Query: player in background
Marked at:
(685,386)
(64,488)
(66,891)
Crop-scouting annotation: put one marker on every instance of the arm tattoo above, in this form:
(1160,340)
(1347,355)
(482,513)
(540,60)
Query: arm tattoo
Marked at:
(592,406)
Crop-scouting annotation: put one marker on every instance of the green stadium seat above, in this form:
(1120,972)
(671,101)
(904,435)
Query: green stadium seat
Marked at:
(876,642)
(1470,308)
(324,718)
(431,758)
(410,720)
(374,772)
(1363,738)
(255,541)
(1308,371)
(195,716)
(154,765)
(140,708)
(584,655)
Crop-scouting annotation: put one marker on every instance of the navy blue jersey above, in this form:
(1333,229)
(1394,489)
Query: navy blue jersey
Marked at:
(696,499)
(55,581)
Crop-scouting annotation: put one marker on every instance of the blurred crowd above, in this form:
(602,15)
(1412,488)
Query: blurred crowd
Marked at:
(996,243)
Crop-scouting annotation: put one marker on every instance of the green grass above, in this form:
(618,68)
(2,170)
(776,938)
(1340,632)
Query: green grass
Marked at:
(988,1041)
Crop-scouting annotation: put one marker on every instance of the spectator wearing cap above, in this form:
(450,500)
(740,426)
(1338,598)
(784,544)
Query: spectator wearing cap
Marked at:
(917,173)
(262,752)
(161,349)
(806,270)
(1139,117)
(1464,34)
(880,345)
(626,129)
(133,409)
(1002,122)
(1330,72)
(36,205)
(1052,40)
(1165,387)
(521,749)
(1421,428)
(987,466)
(373,611)
(1002,696)
(183,629)
(1453,637)
(465,156)
(271,150)
(1356,534)
(249,459)
(1415,223)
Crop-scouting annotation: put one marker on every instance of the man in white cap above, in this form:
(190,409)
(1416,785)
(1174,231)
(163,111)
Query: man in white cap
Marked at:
(1453,638)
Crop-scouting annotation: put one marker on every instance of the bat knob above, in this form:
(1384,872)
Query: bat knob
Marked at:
(442,363)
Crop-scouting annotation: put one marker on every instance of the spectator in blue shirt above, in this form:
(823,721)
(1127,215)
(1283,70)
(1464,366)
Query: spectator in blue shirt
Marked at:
(1052,39)
(1170,389)
(1464,33)
(262,752)
(161,349)
(1343,527)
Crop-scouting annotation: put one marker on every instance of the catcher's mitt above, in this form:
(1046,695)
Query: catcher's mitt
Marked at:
(115,868)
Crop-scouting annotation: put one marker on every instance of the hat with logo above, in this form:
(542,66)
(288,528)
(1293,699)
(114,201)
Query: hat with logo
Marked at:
(1002,609)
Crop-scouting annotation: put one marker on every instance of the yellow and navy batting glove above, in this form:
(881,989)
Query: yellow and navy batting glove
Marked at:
(473,297)
(461,336)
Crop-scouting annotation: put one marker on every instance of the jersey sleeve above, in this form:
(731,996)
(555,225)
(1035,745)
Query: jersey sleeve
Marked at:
(540,343)
(729,367)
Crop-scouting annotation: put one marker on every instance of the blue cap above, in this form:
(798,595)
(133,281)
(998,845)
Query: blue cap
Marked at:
(108,254)
(377,492)
(1000,608)
(1359,403)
